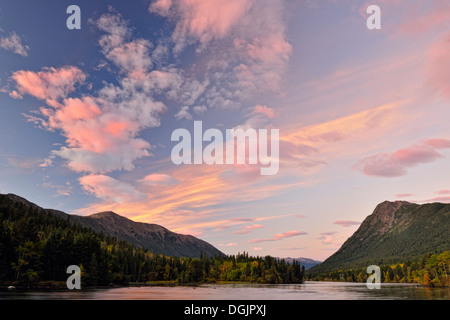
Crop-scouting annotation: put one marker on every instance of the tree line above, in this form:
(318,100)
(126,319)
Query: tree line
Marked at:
(432,270)
(37,246)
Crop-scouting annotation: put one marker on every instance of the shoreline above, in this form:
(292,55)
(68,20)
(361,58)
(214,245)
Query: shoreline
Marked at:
(61,286)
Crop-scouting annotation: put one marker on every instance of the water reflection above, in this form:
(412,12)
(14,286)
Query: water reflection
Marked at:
(307,291)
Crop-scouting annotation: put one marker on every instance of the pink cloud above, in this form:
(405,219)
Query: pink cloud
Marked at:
(279,236)
(161,7)
(253,33)
(159,179)
(290,248)
(102,130)
(46,163)
(221,228)
(442,199)
(230,244)
(204,20)
(347,223)
(327,239)
(439,65)
(403,195)
(264,110)
(15,95)
(248,229)
(418,22)
(243,219)
(192,232)
(288,234)
(443,196)
(50,84)
(110,189)
(395,164)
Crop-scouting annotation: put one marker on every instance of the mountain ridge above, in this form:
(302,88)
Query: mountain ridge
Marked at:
(307,262)
(155,238)
(394,232)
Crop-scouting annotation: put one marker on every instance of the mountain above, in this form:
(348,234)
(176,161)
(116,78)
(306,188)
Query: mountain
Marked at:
(394,233)
(154,237)
(151,236)
(308,263)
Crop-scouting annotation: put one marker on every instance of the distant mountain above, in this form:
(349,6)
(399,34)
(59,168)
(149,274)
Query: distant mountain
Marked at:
(154,237)
(394,232)
(308,263)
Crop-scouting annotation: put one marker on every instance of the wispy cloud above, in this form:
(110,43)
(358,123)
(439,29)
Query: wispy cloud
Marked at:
(230,244)
(110,189)
(439,64)
(159,179)
(183,114)
(347,223)
(395,164)
(279,236)
(403,195)
(444,199)
(248,229)
(61,190)
(327,239)
(264,110)
(243,43)
(290,248)
(14,43)
(442,196)
(25,164)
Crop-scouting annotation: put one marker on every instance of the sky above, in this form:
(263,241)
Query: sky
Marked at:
(87,115)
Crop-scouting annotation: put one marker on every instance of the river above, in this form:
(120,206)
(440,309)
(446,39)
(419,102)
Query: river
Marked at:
(307,291)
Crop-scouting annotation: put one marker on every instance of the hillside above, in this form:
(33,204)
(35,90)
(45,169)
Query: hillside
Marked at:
(151,236)
(308,263)
(155,238)
(37,245)
(394,232)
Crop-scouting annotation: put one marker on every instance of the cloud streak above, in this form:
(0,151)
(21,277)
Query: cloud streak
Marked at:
(279,236)
(159,179)
(397,163)
(347,223)
(110,189)
(248,229)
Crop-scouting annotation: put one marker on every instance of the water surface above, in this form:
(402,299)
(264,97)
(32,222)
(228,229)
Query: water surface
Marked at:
(307,291)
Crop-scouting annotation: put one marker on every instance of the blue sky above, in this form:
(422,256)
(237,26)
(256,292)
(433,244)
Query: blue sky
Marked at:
(87,115)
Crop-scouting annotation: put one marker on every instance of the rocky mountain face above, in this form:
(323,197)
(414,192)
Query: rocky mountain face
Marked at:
(394,232)
(154,237)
